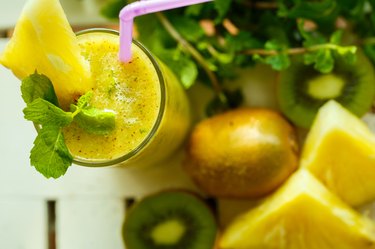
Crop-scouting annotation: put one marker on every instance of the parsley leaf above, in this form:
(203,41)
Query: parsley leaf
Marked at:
(38,86)
(50,156)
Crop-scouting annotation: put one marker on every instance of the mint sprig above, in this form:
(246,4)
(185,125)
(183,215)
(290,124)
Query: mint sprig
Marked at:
(50,155)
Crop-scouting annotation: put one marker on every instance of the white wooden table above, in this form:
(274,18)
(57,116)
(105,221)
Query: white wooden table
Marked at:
(85,208)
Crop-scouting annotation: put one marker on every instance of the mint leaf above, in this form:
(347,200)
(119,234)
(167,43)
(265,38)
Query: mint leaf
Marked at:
(38,86)
(95,121)
(84,100)
(50,156)
(43,112)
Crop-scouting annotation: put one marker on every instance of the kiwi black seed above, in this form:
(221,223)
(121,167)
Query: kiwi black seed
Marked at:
(302,90)
(170,220)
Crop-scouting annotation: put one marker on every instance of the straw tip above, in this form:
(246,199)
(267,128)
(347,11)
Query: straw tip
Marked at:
(124,58)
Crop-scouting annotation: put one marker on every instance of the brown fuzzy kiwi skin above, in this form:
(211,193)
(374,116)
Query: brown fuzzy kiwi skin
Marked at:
(242,153)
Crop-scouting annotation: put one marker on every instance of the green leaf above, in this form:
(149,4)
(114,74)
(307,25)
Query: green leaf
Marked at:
(311,38)
(336,36)
(84,100)
(153,35)
(242,41)
(278,62)
(50,156)
(348,53)
(38,86)
(188,28)
(324,61)
(194,10)
(43,112)
(315,10)
(182,66)
(310,58)
(222,7)
(95,121)
(112,8)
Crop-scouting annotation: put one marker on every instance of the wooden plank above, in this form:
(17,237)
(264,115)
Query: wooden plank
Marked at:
(89,223)
(23,224)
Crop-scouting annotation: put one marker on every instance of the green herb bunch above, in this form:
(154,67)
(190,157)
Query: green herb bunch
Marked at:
(210,41)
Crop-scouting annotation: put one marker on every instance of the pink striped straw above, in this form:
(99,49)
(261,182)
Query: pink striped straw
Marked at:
(129,12)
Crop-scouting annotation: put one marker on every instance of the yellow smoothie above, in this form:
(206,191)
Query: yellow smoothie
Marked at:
(152,111)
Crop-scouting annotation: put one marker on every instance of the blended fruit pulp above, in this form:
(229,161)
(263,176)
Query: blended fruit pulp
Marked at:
(132,90)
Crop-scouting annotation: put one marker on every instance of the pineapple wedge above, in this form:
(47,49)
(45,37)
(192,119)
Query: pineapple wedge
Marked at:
(340,151)
(302,214)
(43,41)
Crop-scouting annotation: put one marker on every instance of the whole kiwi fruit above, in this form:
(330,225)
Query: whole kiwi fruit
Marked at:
(242,153)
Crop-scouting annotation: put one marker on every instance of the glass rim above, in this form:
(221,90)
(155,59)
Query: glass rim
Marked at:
(123,158)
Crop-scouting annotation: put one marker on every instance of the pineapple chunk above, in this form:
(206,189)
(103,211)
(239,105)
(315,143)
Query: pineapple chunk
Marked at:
(340,151)
(43,41)
(302,214)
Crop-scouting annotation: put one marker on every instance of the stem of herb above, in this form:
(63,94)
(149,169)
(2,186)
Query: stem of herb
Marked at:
(291,51)
(195,54)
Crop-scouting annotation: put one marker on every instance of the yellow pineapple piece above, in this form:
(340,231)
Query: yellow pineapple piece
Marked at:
(340,151)
(44,41)
(302,214)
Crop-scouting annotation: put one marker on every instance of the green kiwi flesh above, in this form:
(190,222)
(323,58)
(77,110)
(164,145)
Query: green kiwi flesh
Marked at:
(170,220)
(302,90)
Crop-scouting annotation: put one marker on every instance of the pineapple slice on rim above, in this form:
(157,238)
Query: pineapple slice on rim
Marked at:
(43,41)
(302,214)
(340,151)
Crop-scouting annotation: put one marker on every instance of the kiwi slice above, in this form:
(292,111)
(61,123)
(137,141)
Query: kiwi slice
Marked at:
(302,90)
(170,220)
